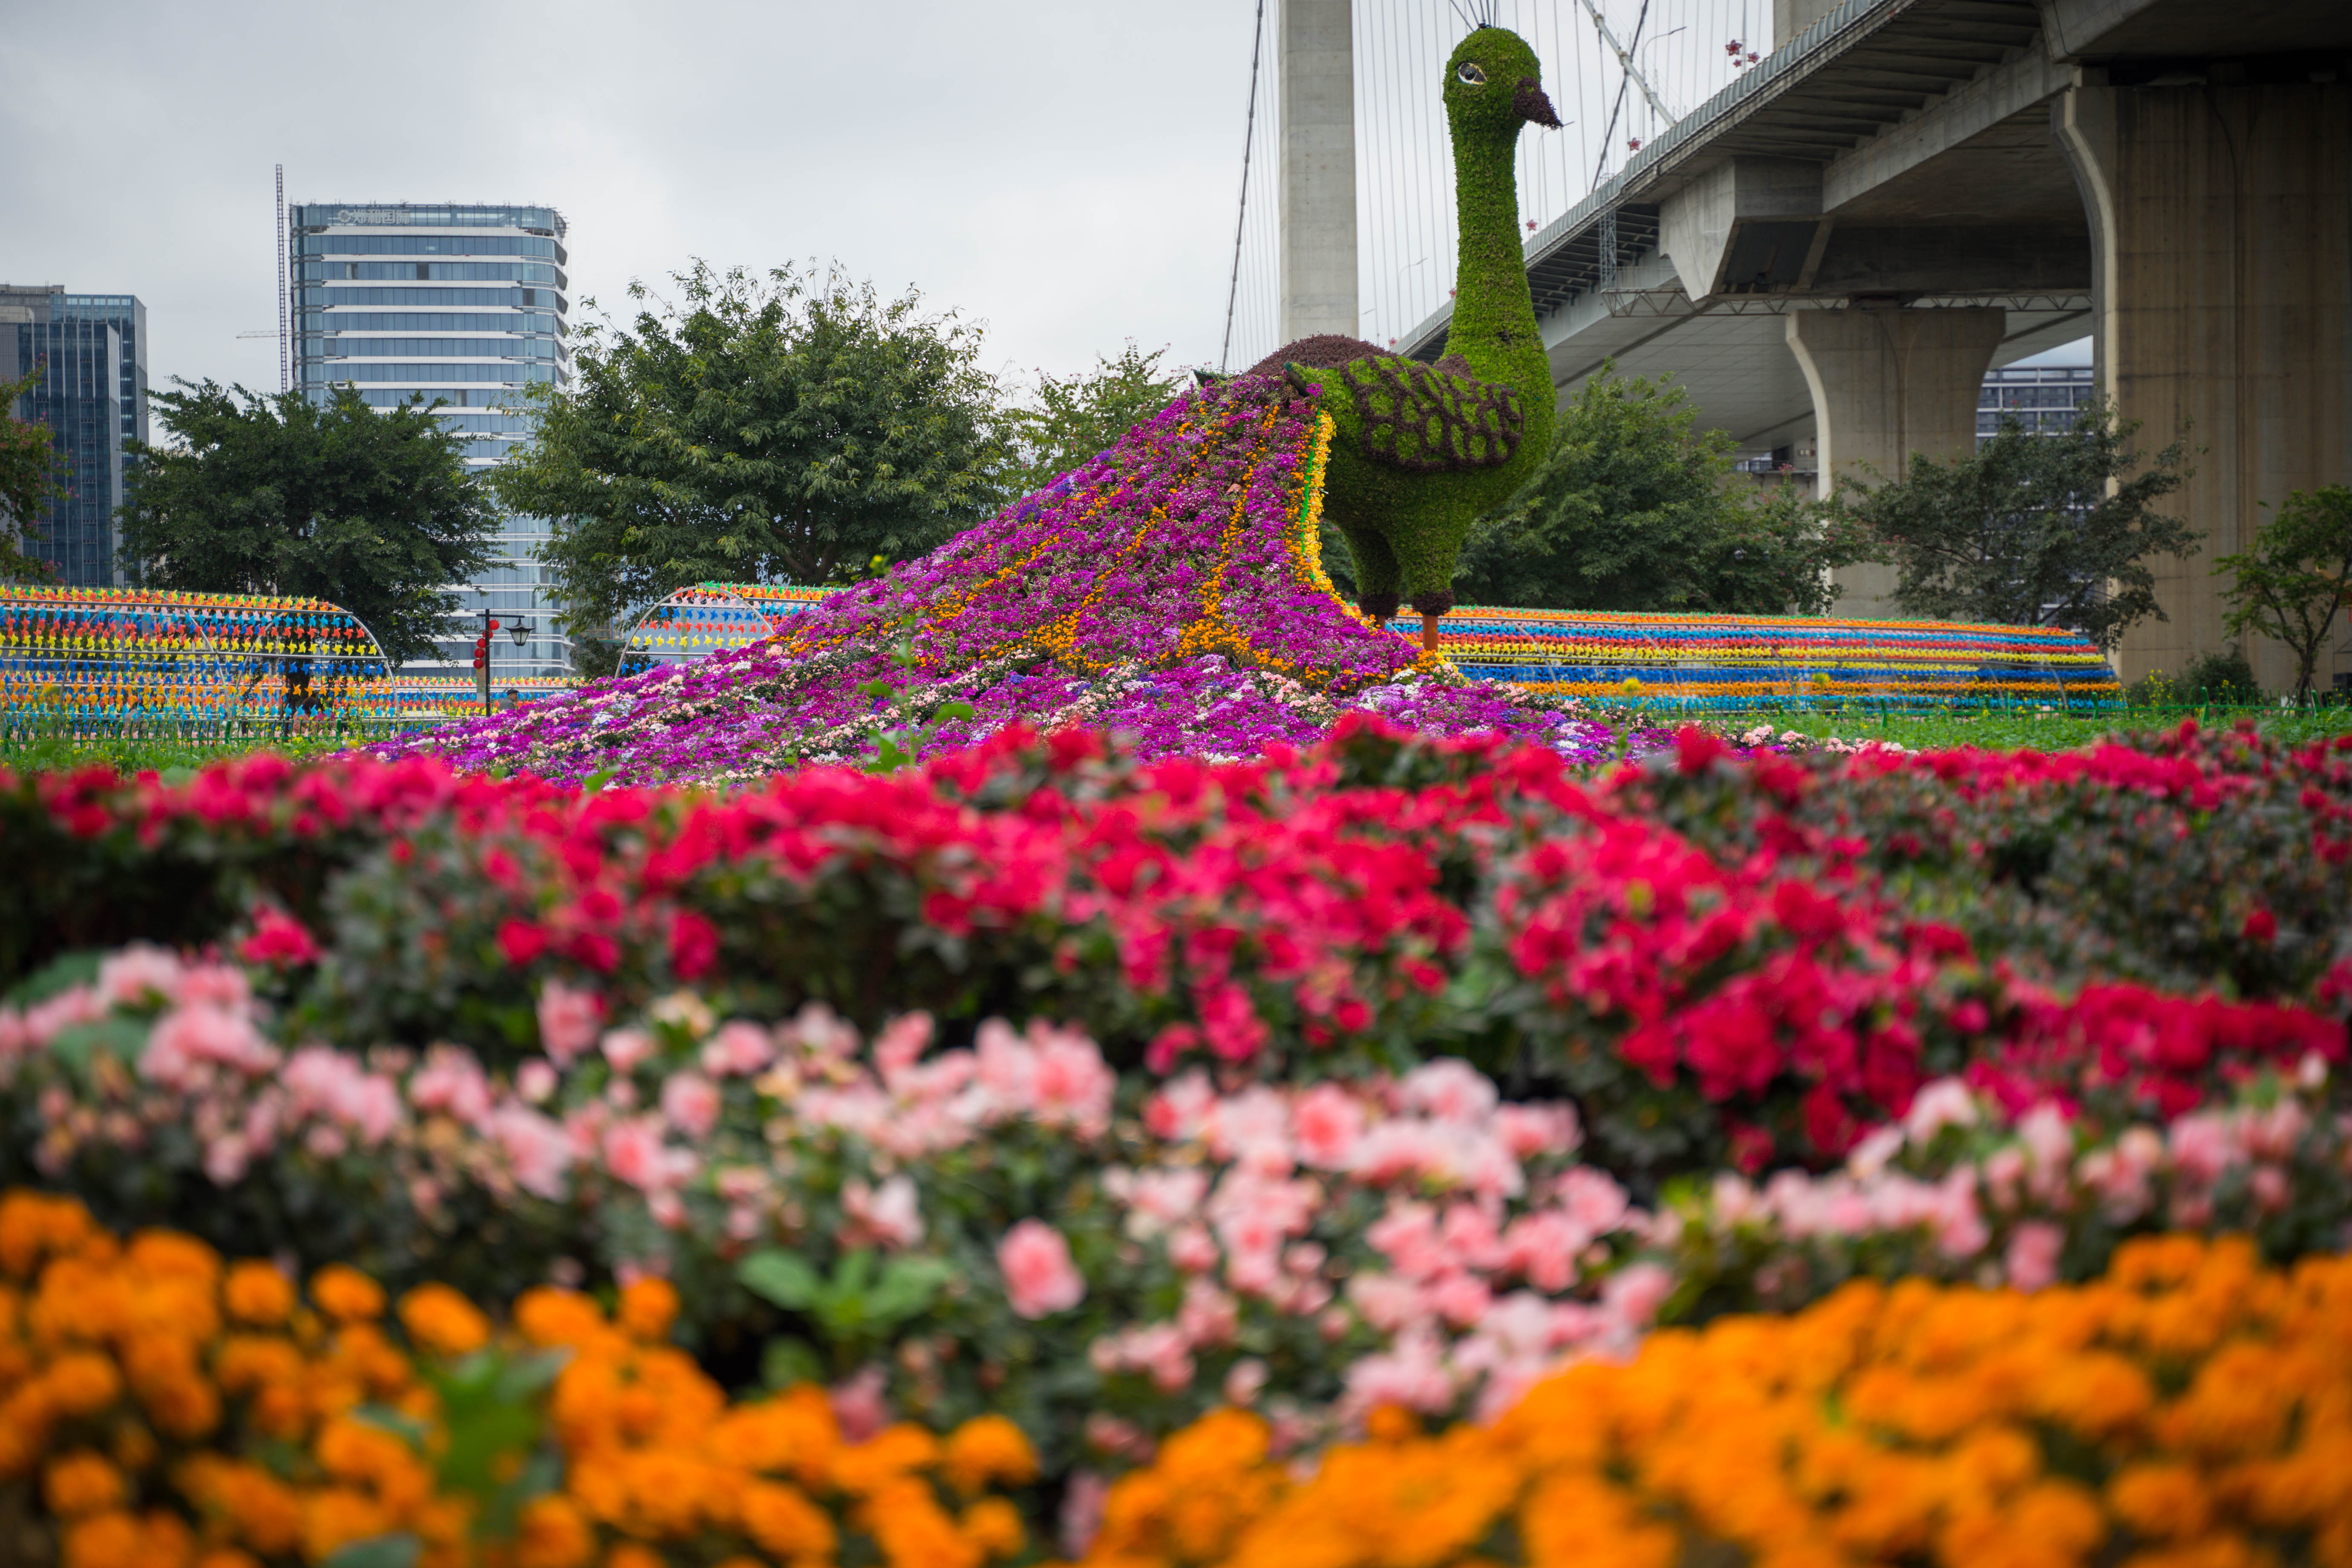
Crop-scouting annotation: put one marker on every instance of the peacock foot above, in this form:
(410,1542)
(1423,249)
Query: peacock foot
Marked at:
(1434,602)
(1379,606)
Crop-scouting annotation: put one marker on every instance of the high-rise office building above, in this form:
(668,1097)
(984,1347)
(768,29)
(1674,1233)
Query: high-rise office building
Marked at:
(93,394)
(2044,399)
(462,304)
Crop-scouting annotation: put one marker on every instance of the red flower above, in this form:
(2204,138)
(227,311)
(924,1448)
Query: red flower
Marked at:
(693,945)
(521,942)
(279,941)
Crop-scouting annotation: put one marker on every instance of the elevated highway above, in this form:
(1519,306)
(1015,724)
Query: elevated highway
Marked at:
(1831,252)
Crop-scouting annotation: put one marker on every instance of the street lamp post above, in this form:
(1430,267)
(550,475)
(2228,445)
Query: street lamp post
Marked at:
(520,631)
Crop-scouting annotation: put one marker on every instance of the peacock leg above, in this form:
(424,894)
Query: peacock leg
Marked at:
(1376,571)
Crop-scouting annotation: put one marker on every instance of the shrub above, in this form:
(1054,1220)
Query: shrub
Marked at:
(2223,675)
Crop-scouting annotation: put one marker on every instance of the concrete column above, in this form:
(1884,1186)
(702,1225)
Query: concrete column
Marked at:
(1316,57)
(1887,383)
(2222,236)
(1791,18)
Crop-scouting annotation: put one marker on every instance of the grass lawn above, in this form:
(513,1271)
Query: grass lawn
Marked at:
(2044,732)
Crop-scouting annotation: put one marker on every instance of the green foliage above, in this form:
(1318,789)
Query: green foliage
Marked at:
(2225,674)
(1635,509)
(2296,576)
(784,429)
(2030,529)
(28,482)
(1074,417)
(373,510)
(857,1312)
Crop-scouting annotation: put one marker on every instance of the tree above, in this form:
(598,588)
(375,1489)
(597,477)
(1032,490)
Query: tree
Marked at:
(1076,417)
(373,510)
(789,428)
(2030,529)
(28,483)
(2297,576)
(1635,509)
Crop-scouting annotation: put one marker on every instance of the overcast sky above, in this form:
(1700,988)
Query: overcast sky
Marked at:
(1063,171)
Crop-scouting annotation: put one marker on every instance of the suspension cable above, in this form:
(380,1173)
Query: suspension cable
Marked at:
(1249,136)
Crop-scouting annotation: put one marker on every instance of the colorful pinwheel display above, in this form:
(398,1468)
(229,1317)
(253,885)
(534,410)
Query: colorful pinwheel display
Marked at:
(700,620)
(123,660)
(1738,661)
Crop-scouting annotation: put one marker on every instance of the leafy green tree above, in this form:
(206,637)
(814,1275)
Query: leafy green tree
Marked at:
(2296,576)
(373,509)
(784,429)
(1635,509)
(28,483)
(2030,529)
(1076,417)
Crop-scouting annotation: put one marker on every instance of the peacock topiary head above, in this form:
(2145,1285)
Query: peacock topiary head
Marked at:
(1494,86)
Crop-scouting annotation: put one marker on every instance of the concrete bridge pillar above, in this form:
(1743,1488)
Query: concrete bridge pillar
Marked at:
(2221,214)
(1886,384)
(1316,55)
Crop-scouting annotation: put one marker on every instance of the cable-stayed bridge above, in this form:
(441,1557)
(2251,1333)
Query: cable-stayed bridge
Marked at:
(1827,244)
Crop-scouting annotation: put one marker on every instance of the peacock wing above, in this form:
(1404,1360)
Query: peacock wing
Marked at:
(1432,418)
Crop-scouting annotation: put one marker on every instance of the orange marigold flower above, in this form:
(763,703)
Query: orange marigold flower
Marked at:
(551,1533)
(785,1524)
(258,1294)
(993,1525)
(227,1557)
(110,1540)
(346,1295)
(647,1307)
(988,1450)
(169,1254)
(884,1459)
(34,1225)
(444,1322)
(2164,1501)
(81,1382)
(82,1482)
(547,1316)
(334,1517)
(630,1554)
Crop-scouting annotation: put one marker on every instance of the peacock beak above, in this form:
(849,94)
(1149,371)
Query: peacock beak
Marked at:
(1532,105)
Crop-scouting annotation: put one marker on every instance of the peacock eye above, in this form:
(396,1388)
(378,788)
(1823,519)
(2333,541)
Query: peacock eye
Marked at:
(1471,74)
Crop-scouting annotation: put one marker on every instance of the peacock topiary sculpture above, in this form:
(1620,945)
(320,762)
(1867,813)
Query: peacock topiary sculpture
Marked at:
(1421,451)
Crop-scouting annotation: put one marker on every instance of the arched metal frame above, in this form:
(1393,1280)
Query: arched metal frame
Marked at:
(694,623)
(114,661)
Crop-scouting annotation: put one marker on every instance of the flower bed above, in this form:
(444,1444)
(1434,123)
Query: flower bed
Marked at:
(2188,1408)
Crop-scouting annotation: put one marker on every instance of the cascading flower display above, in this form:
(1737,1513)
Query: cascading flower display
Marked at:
(1170,591)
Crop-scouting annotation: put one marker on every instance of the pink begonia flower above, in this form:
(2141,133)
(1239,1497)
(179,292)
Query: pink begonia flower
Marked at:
(1324,1124)
(535,1080)
(1158,1200)
(1193,1249)
(625,1048)
(1959,1225)
(1945,1102)
(886,1215)
(214,985)
(1244,1382)
(1593,1199)
(451,1080)
(2049,1139)
(325,1083)
(1634,1293)
(1526,1130)
(2032,1261)
(1209,1316)
(2273,1134)
(691,1101)
(2270,1187)
(1181,1109)
(1412,1375)
(632,1151)
(1407,1236)
(1252,1130)
(226,1158)
(536,1147)
(1039,1278)
(136,973)
(901,1043)
(857,1403)
(1462,1300)
(1450,1091)
(568,1021)
(2203,1148)
(738,1050)
(1084,1496)
(187,1038)
(1070,1084)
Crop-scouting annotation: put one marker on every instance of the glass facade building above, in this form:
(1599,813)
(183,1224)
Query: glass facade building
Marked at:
(2043,399)
(93,394)
(463,305)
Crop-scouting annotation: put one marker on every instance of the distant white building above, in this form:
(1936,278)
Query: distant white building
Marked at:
(462,303)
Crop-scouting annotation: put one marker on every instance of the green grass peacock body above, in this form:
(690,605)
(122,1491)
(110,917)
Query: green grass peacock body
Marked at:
(1421,451)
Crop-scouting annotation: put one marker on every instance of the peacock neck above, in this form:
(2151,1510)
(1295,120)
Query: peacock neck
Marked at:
(1493,325)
